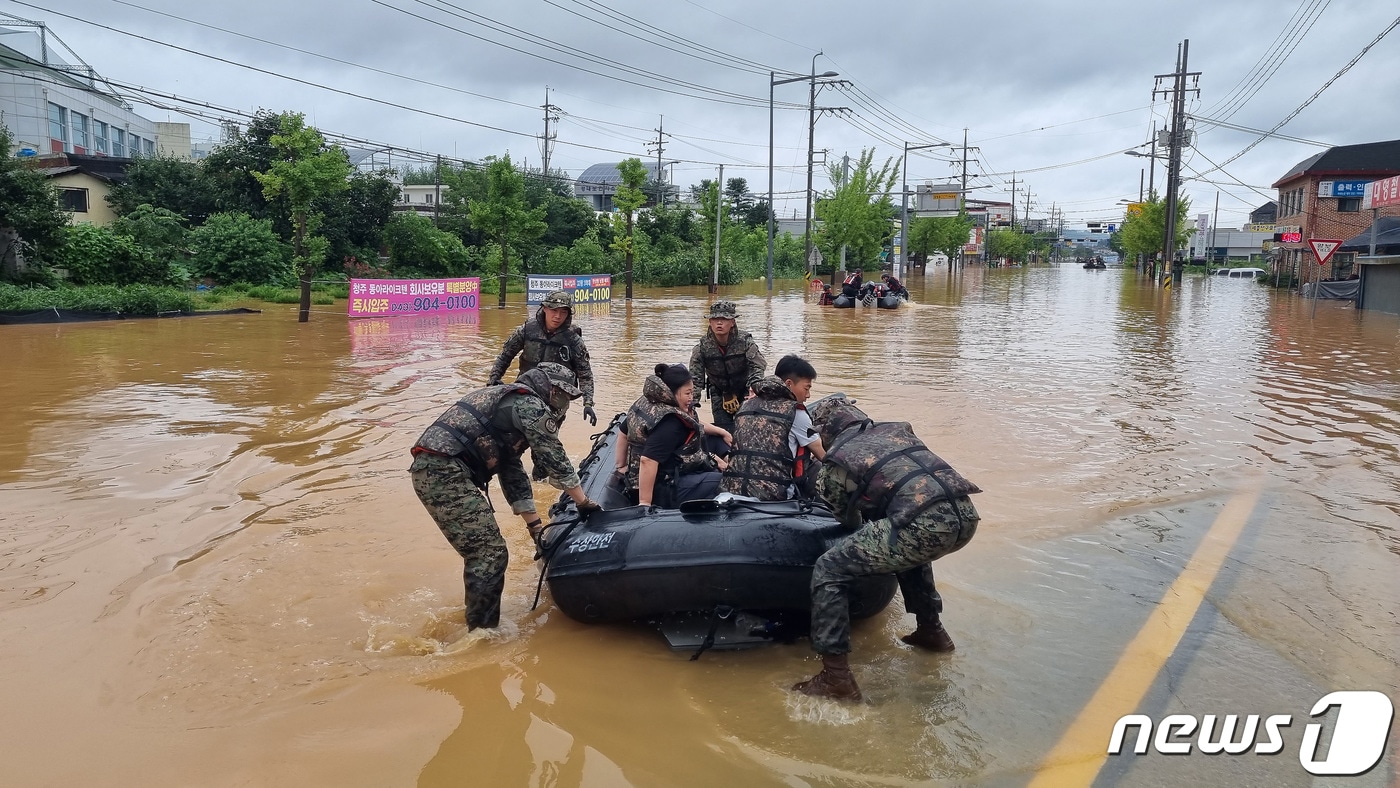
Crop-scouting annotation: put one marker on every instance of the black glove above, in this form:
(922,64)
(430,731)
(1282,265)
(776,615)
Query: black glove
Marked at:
(538,473)
(590,414)
(494,382)
(589,506)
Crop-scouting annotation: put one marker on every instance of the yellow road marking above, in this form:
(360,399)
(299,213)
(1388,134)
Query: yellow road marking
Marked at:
(1082,750)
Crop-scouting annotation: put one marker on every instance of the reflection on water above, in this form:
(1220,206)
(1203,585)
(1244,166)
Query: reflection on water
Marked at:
(209,545)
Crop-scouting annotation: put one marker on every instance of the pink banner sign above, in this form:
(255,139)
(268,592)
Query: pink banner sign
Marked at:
(1381,193)
(389,297)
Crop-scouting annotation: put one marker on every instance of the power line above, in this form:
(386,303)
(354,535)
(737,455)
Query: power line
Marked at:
(1313,97)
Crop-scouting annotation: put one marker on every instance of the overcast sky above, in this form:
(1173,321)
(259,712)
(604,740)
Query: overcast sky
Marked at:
(1051,90)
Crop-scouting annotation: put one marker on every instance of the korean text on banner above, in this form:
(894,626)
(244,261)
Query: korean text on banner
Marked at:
(388,297)
(1382,193)
(585,288)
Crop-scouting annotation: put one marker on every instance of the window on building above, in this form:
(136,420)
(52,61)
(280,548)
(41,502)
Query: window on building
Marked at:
(149,147)
(1348,204)
(99,133)
(133,143)
(75,200)
(58,124)
(118,142)
(80,132)
(428,198)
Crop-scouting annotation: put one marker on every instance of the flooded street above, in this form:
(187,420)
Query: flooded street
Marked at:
(214,570)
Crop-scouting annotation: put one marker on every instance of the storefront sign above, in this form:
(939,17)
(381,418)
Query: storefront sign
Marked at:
(586,289)
(1354,188)
(387,297)
(1381,193)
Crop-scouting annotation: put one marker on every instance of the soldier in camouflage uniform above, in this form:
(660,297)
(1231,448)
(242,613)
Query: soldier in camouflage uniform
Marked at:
(908,508)
(725,363)
(481,436)
(550,336)
(774,443)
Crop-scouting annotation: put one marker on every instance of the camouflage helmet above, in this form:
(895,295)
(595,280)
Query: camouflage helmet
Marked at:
(832,415)
(820,410)
(559,299)
(560,377)
(723,309)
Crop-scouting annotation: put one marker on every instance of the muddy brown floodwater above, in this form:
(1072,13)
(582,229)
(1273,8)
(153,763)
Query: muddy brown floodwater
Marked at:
(213,569)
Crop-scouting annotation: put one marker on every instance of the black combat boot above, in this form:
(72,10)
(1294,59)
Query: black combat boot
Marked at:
(930,638)
(835,681)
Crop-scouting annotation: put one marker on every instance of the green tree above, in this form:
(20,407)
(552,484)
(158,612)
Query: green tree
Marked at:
(1004,242)
(504,217)
(626,201)
(355,218)
(304,169)
(31,223)
(230,171)
(738,198)
(416,246)
(1143,232)
(235,247)
(167,183)
(857,213)
(944,235)
(162,233)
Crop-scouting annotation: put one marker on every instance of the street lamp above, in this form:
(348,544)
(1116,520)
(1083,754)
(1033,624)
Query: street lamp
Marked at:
(773,82)
(1151,169)
(904,197)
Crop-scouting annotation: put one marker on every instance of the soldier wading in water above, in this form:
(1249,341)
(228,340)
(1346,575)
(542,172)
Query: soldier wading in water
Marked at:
(726,362)
(907,508)
(550,336)
(481,436)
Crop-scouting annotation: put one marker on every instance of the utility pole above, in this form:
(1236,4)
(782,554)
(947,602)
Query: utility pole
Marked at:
(1013,200)
(1176,140)
(811,143)
(719,222)
(547,141)
(962,197)
(660,145)
(437,188)
(1214,223)
(845,179)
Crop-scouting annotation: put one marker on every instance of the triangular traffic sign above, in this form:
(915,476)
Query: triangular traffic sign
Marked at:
(1323,248)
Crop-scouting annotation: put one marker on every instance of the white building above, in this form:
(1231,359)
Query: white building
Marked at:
(55,103)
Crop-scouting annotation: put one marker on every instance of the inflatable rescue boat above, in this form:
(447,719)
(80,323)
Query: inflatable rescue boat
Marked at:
(721,572)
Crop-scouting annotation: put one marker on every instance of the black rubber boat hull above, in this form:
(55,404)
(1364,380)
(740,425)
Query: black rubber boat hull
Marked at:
(639,563)
(844,301)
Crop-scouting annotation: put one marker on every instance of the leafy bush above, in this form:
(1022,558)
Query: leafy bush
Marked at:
(234,247)
(585,256)
(98,256)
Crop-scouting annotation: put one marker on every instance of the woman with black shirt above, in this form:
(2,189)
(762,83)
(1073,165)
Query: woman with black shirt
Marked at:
(666,459)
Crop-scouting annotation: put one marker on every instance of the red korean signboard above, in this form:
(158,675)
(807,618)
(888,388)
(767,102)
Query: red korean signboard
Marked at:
(1381,193)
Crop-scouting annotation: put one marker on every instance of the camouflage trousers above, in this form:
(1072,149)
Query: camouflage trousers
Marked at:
(869,551)
(463,513)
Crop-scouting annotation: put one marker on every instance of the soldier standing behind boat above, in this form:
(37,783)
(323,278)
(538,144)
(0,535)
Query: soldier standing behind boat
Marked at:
(481,436)
(726,363)
(550,336)
(907,508)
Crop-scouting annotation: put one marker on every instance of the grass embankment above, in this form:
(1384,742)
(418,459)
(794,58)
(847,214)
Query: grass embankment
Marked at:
(149,300)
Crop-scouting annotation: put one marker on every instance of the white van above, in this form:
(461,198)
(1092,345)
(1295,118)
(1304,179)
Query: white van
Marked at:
(1244,273)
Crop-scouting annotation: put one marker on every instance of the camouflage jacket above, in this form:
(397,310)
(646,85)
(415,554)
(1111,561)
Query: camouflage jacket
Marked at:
(875,470)
(761,464)
(535,345)
(490,428)
(728,369)
(656,403)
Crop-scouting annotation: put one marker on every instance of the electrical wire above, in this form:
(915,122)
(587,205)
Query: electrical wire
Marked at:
(1311,98)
